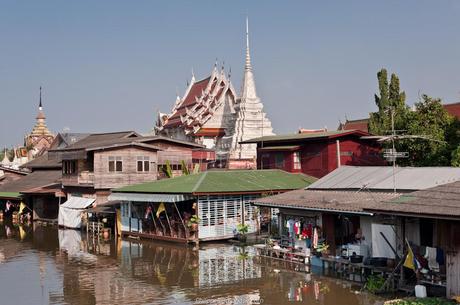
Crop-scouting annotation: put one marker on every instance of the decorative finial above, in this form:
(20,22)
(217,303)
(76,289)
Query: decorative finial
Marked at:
(40,106)
(223,66)
(230,73)
(248,56)
(193,73)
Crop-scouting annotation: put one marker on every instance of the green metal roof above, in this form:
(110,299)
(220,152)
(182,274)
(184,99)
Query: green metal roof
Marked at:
(304,136)
(10,195)
(229,181)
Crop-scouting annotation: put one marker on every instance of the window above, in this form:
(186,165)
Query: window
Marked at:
(296,160)
(143,163)
(115,164)
(69,167)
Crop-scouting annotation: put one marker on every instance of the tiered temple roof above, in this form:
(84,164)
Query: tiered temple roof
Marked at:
(211,113)
(200,102)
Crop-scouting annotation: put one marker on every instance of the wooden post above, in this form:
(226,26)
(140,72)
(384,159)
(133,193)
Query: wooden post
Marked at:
(181,219)
(169,223)
(403,232)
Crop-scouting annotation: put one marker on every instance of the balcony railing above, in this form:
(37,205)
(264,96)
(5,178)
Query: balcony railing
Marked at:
(82,178)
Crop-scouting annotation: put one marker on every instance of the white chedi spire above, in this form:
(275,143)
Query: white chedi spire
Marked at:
(248,89)
(251,121)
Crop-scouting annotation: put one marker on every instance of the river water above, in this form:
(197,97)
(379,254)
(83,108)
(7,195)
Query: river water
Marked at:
(44,265)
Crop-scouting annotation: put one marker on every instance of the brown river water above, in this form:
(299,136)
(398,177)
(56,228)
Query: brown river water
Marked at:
(44,265)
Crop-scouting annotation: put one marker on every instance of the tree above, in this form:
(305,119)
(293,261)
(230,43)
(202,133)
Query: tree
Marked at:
(439,133)
(455,157)
(432,121)
(390,99)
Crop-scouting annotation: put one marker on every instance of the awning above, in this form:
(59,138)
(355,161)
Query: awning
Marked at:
(140,197)
(77,203)
(10,195)
(70,211)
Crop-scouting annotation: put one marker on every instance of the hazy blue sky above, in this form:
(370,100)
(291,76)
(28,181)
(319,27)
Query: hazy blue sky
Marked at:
(109,65)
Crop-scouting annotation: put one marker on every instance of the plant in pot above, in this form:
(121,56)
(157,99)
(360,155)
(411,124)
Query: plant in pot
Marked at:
(193,223)
(242,230)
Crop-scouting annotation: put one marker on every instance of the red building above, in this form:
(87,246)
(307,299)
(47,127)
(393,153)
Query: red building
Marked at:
(317,153)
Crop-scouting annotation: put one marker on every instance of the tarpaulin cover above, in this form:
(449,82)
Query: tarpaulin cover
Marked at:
(70,211)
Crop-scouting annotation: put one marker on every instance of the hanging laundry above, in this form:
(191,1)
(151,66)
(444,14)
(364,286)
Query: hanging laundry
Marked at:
(430,255)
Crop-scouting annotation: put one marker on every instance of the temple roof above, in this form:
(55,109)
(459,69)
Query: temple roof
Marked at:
(200,101)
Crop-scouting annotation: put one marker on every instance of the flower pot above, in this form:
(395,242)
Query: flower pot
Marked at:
(193,227)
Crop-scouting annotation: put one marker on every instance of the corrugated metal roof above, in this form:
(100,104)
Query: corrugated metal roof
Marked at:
(327,201)
(381,178)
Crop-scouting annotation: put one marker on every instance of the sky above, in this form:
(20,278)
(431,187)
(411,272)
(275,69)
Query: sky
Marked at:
(111,65)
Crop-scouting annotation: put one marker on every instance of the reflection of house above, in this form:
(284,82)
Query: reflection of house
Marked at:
(353,206)
(99,162)
(316,152)
(221,199)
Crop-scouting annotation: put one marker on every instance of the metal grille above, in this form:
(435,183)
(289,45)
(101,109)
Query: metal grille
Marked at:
(221,214)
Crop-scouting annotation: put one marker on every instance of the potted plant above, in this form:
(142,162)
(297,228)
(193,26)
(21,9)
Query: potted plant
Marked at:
(193,223)
(242,230)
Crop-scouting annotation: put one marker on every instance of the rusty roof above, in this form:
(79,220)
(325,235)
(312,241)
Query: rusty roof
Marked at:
(327,201)
(33,180)
(442,201)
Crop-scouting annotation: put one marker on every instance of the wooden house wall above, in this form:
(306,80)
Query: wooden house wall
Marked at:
(103,179)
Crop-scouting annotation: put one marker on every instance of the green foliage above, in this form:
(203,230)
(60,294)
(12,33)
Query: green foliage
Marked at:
(440,131)
(424,301)
(185,170)
(455,157)
(374,283)
(167,170)
(193,220)
(390,98)
(431,120)
(243,229)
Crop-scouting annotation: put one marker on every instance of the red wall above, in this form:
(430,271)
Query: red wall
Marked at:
(318,158)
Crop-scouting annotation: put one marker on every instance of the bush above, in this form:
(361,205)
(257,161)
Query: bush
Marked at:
(415,301)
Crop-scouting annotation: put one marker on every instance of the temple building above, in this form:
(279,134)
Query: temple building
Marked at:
(212,114)
(40,139)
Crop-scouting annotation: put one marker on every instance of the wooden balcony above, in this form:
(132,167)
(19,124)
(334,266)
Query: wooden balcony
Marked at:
(84,178)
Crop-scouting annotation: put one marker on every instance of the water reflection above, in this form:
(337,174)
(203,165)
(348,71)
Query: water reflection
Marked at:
(43,265)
